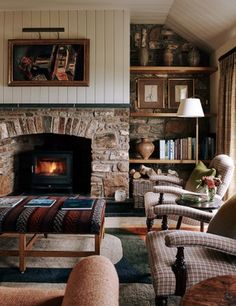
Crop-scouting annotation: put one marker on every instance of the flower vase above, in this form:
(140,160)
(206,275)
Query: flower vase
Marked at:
(211,194)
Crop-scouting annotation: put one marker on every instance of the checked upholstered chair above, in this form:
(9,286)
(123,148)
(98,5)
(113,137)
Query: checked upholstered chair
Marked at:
(222,165)
(179,258)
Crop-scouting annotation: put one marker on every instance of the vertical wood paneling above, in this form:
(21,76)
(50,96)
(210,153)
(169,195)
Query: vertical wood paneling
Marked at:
(90,92)
(26,23)
(54,22)
(108,32)
(63,22)
(81,32)
(119,56)
(109,57)
(72,33)
(17,33)
(36,22)
(2,56)
(99,57)
(8,33)
(45,22)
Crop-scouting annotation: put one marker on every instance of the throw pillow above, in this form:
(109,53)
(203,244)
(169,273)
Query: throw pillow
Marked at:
(199,171)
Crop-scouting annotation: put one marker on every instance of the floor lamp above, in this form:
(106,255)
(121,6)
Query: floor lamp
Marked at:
(191,108)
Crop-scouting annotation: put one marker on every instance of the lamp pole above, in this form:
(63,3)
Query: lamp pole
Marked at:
(191,108)
(197,137)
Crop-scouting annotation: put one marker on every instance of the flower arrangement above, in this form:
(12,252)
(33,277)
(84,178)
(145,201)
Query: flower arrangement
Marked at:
(209,184)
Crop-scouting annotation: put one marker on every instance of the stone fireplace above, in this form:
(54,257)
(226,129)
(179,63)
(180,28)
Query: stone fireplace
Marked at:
(107,129)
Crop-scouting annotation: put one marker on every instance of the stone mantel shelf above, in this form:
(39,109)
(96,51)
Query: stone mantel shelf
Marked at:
(172,69)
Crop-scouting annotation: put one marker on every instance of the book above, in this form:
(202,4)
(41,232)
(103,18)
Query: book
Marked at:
(40,202)
(162,148)
(6,202)
(78,204)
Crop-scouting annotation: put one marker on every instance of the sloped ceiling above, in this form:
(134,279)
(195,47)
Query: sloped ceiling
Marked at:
(206,23)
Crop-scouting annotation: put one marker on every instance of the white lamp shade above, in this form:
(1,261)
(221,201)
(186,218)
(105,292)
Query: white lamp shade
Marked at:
(190,107)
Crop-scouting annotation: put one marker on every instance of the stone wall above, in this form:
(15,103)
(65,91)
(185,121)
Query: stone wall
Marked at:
(108,130)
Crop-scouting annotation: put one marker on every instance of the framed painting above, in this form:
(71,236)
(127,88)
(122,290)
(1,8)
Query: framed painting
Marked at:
(151,93)
(179,89)
(48,62)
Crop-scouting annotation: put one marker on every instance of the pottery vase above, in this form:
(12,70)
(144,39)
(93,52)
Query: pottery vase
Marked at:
(143,56)
(145,148)
(193,57)
(168,57)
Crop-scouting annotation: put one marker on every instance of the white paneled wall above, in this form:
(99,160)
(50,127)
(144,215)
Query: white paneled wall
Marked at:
(108,31)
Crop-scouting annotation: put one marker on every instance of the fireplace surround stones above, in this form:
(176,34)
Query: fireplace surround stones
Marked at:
(108,129)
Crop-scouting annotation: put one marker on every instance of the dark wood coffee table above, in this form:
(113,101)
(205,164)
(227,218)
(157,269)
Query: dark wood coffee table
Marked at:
(220,290)
(207,205)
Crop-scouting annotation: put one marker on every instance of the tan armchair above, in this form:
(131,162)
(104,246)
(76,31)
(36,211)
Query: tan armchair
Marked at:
(92,282)
(167,193)
(179,258)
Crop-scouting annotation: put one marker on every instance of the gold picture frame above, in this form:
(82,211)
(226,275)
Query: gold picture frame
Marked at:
(179,89)
(48,62)
(150,93)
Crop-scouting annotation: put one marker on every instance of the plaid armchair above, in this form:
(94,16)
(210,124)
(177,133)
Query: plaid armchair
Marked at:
(179,258)
(172,187)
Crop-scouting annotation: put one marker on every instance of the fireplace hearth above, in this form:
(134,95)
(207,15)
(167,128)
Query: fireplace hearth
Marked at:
(52,171)
(98,138)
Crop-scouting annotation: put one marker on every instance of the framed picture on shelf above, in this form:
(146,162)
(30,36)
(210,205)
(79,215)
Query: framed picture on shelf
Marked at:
(150,93)
(48,62)
(179,89)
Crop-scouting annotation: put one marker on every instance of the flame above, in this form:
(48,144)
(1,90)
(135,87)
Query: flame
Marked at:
(47,167)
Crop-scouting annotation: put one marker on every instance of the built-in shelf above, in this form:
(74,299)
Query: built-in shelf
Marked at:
(172,69)
(161,161)
(147,114)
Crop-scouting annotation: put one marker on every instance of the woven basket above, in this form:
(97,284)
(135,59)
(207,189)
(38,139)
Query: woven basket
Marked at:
(140,187)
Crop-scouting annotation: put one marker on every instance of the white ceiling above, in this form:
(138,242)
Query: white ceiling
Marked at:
(206,23)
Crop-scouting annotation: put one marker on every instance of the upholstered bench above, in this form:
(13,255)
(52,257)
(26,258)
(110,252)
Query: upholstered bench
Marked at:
(22,220)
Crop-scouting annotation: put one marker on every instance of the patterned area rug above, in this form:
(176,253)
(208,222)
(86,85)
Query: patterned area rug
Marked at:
(124,247)
(126,251)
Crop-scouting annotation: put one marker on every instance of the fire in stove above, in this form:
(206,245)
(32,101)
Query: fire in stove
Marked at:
(50,167)
(52,170)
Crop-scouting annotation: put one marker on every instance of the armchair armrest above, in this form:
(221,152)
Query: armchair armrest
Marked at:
(170,189)
(92,282)
(194,239)
(167,178)
(184,211)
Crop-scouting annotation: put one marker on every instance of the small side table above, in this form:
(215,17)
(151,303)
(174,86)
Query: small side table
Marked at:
(208,206)
(220,290)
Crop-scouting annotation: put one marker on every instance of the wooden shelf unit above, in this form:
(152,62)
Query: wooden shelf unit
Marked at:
(172,69)
(166,70)
(161,161)
(147,114)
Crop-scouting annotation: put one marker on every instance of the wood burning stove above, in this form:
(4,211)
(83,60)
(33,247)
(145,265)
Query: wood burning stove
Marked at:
(52,170)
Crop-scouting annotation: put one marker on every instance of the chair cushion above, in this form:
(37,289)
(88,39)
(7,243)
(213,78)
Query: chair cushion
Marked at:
(223,223)
(201,263)
(199,171)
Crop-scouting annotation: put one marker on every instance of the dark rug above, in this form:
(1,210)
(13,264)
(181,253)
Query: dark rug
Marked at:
(132,268)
